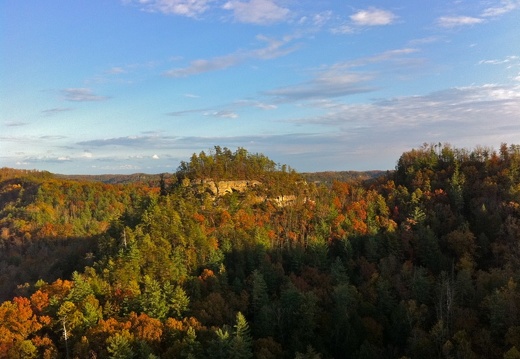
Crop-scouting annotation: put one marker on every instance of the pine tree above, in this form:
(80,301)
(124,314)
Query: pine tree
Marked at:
(241,343)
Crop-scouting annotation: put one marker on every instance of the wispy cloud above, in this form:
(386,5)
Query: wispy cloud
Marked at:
(224,114)
(275,48)
(446,114)
(187,112)
(257,104)
(55,111)
(509,60)
(82,95)
(316,20)
(259,12)
(201,65)
(117,70)
(456,21)
(189,8)
(424,40)
(504,7)
(15,123)
(338,80)
(225,111)
(155,141)
(373,17)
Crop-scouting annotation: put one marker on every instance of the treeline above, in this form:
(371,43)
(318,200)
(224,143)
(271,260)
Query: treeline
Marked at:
(223,164)
(421,263)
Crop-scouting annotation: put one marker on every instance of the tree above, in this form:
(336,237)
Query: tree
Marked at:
(119,345)
(241,342)
(152,301)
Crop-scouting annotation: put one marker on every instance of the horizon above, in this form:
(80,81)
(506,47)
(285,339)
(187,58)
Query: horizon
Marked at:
(131,86)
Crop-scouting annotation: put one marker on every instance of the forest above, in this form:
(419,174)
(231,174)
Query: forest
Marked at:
(420,262)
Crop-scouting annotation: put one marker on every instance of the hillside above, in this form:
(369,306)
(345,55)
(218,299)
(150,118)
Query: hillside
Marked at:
(420,262)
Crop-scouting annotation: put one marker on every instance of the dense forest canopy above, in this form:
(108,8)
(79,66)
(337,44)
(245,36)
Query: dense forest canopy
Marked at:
(420,262)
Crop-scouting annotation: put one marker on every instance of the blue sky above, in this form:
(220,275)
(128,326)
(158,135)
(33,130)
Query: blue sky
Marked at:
(123,86)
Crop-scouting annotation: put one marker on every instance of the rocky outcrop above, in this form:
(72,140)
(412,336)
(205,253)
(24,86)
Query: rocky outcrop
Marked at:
(221,188)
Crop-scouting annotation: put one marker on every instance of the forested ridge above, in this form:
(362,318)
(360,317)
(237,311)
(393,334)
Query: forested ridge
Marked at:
(420,262)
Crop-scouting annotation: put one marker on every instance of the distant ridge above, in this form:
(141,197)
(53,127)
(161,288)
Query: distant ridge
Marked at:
(327,177)
(324,177)
(118,178)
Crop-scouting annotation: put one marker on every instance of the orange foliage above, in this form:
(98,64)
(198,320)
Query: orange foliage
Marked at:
(206,273)
(199,218)
(39,301)
(245,220)
(59,289)
(146,328)
(46,347)
(17,323)
(173,325)
(357,212)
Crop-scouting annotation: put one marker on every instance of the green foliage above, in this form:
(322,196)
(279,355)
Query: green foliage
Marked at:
(241,341)
(119,346)
(222,164)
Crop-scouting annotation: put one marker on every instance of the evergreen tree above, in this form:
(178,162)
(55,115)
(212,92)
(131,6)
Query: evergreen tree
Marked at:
(241,342)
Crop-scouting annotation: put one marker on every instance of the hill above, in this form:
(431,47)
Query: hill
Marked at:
(421,262)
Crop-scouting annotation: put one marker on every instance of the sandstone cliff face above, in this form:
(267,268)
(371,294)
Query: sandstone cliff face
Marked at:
(221,188)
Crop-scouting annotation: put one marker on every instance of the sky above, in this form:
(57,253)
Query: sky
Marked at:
(126,86)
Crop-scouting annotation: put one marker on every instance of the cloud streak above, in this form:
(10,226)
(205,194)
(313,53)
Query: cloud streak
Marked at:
(274,49)
(456,21)
(503,8)
(82,95)
(55,111)
(338,80)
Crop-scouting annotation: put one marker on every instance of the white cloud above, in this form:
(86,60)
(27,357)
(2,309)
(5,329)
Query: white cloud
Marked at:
(259,12)
(504,7)
(189,8)
(445,115)
(155,157)
(81,95)
(223,114)
(86,154)
(514,60)
(455,21)
(373,17)
(257,104)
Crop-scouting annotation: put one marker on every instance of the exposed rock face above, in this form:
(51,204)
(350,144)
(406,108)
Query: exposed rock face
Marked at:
(283,201)
(221,188)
